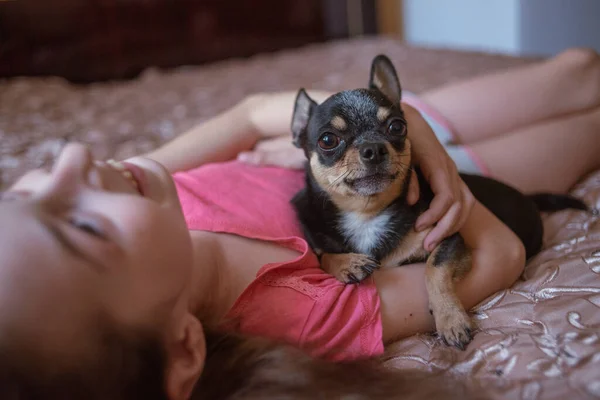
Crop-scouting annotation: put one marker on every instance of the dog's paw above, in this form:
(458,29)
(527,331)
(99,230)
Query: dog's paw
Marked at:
(349,267)
(454,326)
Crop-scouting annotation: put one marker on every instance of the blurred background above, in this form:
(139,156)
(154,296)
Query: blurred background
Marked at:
(94,40)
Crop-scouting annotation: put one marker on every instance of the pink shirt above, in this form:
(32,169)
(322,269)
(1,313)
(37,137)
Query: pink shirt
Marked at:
(295,301)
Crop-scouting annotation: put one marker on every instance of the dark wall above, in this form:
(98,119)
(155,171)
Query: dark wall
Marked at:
(90,40)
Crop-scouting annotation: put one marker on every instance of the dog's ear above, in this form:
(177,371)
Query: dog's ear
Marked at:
(385,79)
(303,109)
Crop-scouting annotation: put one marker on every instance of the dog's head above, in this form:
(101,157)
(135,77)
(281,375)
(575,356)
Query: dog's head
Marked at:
(356,141)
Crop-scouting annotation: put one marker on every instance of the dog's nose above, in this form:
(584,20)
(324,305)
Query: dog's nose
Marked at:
(373,153)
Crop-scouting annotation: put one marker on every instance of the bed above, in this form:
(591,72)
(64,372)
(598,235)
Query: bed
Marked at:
(538,340)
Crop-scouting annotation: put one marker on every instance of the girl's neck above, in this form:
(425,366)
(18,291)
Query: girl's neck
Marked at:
(210,297)
(224,266)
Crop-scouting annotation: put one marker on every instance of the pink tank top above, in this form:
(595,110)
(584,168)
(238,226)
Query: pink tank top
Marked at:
(295,302)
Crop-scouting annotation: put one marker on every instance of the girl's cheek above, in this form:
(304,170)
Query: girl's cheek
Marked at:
(151,228)
(147,230)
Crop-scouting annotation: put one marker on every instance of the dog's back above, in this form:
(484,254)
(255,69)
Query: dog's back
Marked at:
(510,206)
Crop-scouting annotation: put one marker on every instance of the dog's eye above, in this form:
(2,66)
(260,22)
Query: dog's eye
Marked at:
(329,141)
(397,127)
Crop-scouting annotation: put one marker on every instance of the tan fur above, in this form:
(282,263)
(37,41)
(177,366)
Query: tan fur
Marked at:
(377,81)
(451,321)
(410,247)
(383,113)
(332,180)
(339,123)
(462,267)
(348,267)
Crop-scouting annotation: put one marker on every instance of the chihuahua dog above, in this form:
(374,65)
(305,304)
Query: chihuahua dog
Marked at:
(353,208)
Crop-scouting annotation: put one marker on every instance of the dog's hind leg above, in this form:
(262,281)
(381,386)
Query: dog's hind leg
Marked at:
(449,261)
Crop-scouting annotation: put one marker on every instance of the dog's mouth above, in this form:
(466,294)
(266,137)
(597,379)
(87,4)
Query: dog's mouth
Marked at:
(371,184)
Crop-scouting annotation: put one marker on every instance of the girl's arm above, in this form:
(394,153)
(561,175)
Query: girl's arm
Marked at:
(498,261)
(234,131)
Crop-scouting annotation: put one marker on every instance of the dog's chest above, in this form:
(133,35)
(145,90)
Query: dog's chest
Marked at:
(365,234)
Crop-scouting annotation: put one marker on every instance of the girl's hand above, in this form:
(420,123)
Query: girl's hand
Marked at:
(278,151)
(453,201)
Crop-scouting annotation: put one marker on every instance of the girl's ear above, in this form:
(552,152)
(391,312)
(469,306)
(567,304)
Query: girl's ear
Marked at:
(186,354)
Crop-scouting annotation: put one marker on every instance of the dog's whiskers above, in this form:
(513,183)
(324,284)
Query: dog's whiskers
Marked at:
(336,180)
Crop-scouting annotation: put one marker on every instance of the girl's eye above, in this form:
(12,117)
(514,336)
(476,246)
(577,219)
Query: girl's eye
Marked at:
(397,127)
(87,226)
(329,141)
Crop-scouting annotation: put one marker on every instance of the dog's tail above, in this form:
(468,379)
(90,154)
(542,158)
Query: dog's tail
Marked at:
(556,202)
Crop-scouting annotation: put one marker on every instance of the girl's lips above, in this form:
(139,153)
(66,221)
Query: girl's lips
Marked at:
(138,175)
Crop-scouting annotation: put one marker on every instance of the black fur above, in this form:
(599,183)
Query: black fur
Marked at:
(450,249)
(516,210)
(549,202)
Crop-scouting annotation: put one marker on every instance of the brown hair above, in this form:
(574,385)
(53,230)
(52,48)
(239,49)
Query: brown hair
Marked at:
(251,368)
(125,366)
(132,367)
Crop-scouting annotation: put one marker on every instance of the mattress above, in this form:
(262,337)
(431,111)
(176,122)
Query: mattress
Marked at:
(538,340)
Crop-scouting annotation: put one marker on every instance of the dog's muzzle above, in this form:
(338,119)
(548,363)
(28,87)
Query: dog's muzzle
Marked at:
(371,184)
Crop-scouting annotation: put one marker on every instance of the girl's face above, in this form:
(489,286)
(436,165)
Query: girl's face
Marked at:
(88,238)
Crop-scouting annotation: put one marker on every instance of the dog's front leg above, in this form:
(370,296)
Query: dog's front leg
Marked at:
(450,260)
(335,260)
(348,267)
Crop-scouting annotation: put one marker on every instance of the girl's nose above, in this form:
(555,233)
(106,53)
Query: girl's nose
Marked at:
(71,169)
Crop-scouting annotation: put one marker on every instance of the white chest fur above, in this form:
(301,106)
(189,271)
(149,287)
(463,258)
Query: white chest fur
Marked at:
(363,232)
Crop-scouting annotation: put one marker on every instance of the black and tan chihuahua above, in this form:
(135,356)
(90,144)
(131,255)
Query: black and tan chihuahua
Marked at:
(353,208)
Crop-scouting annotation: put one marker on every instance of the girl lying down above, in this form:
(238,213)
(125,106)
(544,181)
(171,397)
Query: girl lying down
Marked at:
(146,278)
